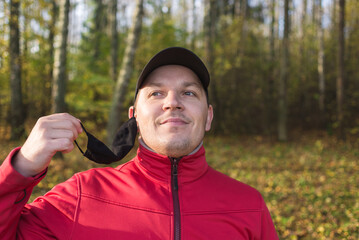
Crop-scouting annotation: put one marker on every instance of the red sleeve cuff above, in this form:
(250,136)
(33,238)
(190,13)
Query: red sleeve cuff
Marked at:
(11,177)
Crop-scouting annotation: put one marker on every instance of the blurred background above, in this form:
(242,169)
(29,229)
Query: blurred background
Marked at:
(284,86)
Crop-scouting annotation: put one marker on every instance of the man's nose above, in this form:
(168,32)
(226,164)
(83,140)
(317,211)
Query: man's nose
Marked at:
(172,102)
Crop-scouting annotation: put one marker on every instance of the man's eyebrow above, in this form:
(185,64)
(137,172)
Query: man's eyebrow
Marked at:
(153,84)
(194,84)
(185,84)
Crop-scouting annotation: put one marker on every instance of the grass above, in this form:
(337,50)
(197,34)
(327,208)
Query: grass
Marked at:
(310,184)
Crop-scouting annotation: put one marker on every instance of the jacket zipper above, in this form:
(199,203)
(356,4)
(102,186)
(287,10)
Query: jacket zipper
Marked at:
(176,205)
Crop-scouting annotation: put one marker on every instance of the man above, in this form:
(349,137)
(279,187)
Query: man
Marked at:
(167,191)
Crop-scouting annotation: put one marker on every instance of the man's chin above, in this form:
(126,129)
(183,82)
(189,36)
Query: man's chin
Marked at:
(176,146)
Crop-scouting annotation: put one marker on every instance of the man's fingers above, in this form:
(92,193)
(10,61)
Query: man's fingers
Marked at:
(64,145)
(63,122)
(62,133)
(60,116)
(58,131)
(51,134)
(65,116)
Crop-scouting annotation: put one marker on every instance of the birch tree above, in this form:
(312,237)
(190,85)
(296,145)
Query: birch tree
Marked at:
(243,29)
(340,66)
(17,108)
(125,73)
(272,63)
(46,88)
(114,40)
(282,117)
(98,31)
(194,25)
(303,67)
(209,40)
(321,60)
(59,71)
(209,32)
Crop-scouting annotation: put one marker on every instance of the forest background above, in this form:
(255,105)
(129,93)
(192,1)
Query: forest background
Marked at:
(284,86)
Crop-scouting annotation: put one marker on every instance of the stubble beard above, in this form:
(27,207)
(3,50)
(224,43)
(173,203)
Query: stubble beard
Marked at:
(177,147)
(169,147)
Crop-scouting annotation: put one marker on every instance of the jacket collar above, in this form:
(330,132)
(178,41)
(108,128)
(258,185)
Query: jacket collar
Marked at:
(158,167)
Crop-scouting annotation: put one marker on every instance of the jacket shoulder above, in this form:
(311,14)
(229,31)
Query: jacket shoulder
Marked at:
(233,192)
(99,177)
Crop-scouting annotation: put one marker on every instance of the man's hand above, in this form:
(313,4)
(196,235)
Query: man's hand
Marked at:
(51,134)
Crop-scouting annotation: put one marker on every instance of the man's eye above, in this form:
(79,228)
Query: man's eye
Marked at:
(189,93)
(155,94)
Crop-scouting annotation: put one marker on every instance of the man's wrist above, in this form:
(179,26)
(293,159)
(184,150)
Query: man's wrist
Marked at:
(22,165)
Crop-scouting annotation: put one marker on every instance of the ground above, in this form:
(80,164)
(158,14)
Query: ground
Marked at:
(310,184)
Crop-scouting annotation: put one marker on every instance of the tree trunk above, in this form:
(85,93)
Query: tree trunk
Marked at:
(334,15)
(282,118)
(314,11)
(194,25)
(17,108)
(340,65)
(46,105)
(98,22)
(210,33)
(243,31)
(52,30)
(269,104)
(321,62)
(59,71)
(209,39)
(303,62)
(237,7)
(28,88)
(125,73)
(272,31)
(114,40)
(183,19)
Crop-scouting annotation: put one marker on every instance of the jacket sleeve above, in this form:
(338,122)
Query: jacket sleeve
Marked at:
(48,217)
(15,191)
(268,231)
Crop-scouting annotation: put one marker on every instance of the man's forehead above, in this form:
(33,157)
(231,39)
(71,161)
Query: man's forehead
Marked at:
(172,74)
(158,83)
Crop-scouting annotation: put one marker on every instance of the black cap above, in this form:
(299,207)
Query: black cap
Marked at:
(176,56)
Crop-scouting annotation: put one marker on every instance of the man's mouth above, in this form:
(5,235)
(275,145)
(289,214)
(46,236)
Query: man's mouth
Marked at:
(176,121)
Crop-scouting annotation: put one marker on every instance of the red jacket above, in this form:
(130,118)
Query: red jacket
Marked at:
(150,197)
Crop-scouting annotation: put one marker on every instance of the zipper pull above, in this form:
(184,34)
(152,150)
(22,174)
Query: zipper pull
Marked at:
(174,173)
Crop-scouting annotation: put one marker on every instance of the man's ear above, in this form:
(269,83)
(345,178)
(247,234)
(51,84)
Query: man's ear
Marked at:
(209,118)
(131,112)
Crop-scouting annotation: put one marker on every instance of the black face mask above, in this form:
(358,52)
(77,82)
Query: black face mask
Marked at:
(124,140)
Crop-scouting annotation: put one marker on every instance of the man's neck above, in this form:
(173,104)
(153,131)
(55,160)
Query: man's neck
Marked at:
(150,149)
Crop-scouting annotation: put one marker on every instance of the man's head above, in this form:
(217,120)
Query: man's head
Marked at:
(176,56)
(171,107)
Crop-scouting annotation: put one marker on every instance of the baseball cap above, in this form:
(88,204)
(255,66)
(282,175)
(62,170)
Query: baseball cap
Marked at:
(176,56)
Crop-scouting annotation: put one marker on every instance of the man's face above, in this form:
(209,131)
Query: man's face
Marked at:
(172,111)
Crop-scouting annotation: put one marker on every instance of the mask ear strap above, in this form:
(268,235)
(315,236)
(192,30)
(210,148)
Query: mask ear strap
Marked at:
(133,112)
(79,148)
(76,141)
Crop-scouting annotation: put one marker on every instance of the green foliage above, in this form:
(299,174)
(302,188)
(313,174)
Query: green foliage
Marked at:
(90,98)
(241,71)
(246,77)
(160,34)
(35,60)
